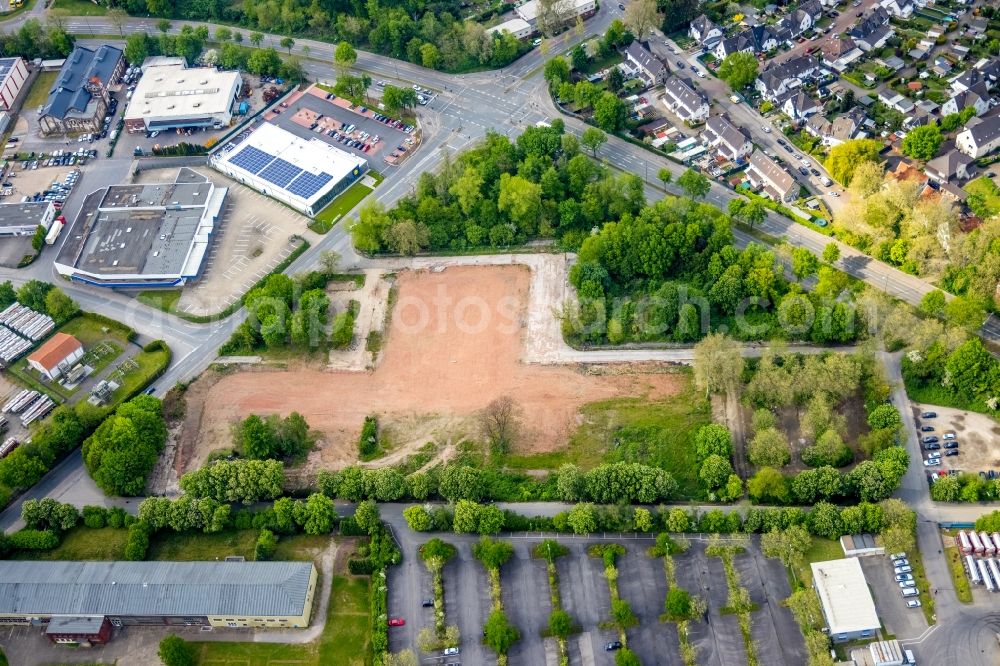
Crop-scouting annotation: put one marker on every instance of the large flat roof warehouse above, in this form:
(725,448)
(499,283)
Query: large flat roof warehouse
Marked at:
(306,174)
(170,95)
(843,591)
(158,589)
(143,235)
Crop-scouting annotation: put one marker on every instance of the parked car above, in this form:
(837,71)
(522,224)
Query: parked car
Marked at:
(932,462)
(932,447)
(949,436)
(913,603)
(902,577)
(909,592)
(897,556)
(396,622)
(930,439)
(448,652)
(906,568)
(928,415)
(929,428)
(951,445)
(953,452)
(613,645)
(428,603)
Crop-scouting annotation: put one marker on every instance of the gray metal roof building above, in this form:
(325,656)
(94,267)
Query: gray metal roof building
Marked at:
(21,219)
(123,589)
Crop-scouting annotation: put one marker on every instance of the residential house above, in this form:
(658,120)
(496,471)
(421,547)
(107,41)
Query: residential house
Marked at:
(941,67)
(872,31)
(899,8)
(977,27)
(977,97)
(758,39)
(764,173)
(981,136)
(648,65)
(840,52)
(777,79)
(705,32)
(906,172)
(78,100)
(798,105)
(894,100)
(894,63)
(728,140)
(682,99)
(562,12)
(986,71)
(54,358)
(800,19)
(952,165)
(834,132)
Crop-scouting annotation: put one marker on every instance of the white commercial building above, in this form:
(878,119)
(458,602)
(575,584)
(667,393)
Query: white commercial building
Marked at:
(847,602)
(306,174)
(23,219)
(13,74)
(518,27)
(563,11)
(171,95)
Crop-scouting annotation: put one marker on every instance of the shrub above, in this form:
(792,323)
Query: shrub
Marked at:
(95,517)
(175,651)
(138,541)
(266,544)
(29,539)
(368,442)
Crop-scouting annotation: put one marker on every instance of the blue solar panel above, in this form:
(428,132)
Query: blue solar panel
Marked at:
(251,159)
(308,184)
(280,172)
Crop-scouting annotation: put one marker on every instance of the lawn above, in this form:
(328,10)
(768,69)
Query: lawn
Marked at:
(161,299)
(80,7)
(986,189)
(90,330)
(659,433)
(170,545)
(83,543)
(958,576)
(345,640)
(39,91)
(920,576)
(821,550)
(339,207)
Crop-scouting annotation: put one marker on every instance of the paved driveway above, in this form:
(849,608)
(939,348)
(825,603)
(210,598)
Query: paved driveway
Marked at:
(899,620)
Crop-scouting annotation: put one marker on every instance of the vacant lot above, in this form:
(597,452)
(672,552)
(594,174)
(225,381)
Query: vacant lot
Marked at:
(453,345)
(978,437)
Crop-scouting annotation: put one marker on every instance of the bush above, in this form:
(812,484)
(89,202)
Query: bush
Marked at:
(175,651)
(266,544)
(29,539)
(95,517)
(368,442)
(138,541)
(360,567)
(155,346)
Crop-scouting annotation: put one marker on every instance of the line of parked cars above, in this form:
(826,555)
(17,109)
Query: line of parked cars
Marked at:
(57,192)
(904,578)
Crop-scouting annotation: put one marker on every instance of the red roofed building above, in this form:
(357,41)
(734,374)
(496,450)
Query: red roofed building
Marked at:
(59,353)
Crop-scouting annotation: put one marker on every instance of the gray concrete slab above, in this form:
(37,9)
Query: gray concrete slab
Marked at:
(897,619)
(643,583)
(467,603)
(526,600)
(586,598)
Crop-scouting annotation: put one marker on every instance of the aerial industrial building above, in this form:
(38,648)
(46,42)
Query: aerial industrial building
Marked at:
(150,235)
(847,602)
(171,95)
(76,601)
(306,174)
(24,218)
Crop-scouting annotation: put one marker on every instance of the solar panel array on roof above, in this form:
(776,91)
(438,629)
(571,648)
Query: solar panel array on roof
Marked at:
(280,172)
(251,159)
(308,184)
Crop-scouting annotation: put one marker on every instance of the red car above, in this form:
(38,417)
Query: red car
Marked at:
(396,622)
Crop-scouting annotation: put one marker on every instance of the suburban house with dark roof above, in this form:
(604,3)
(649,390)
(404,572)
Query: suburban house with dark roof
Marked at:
(800,19)
(977,97)
(764,173)
(986,71)
(727,139)
(839,53)
(75,598)
(898,8)
(778,79)
(683,100)
(952,165)
(56,356)
(705,32)
(758,39)
(872,31)
(78,100)
(648,65)
(981,136)
(835,132)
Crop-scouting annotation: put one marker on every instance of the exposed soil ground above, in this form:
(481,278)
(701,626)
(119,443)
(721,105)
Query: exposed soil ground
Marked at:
(453,345)
(978,437)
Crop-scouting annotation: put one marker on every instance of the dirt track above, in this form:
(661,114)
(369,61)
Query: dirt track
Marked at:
(454,344)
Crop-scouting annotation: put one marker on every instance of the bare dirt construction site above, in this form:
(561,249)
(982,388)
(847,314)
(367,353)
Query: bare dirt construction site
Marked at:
(455,343)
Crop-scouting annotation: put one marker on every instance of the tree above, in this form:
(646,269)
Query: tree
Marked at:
(287,43)
(713,439)
(610,112)
(560,624)
(769,448)
(418,518)
(625,657)
(923,142)
(824,520)
(738,69)
(256,38)
(396,99)
(116,17)
(7,294)
(804,263)
(175,651)
(715,471)
(59,306)
(664,175)
(622,614)
(256,438)
(367,516)
(677,14)
(933,303)
(557,69)
(581,519)
(320,515)
(499,422)
(32,294)
(430,56)
(884,416)
(678,604)
(642,519)
(593,139)
(123,450)
(694,184)
(641,16)
(344,57)
(789,545)
(768,485)
(831,253)
(718,364)
(842,160)
(499,634)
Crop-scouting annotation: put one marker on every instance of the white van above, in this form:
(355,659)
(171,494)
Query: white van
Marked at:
(908,658)
(909,592)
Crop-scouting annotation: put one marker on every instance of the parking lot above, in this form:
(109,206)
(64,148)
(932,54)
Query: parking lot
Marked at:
(978,437)
(301,112)
(584,592)
(896,617)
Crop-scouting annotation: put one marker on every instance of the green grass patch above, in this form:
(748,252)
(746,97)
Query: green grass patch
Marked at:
(39,91)
(89,330)
(373,344)
(339,207)
(345,640)
(986,189)
(942,397)
(300,547)
(923,585)
(191,546)
(161,299)
(821,550)
(83,543)
(962,588)
(658,432)
(80,7)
